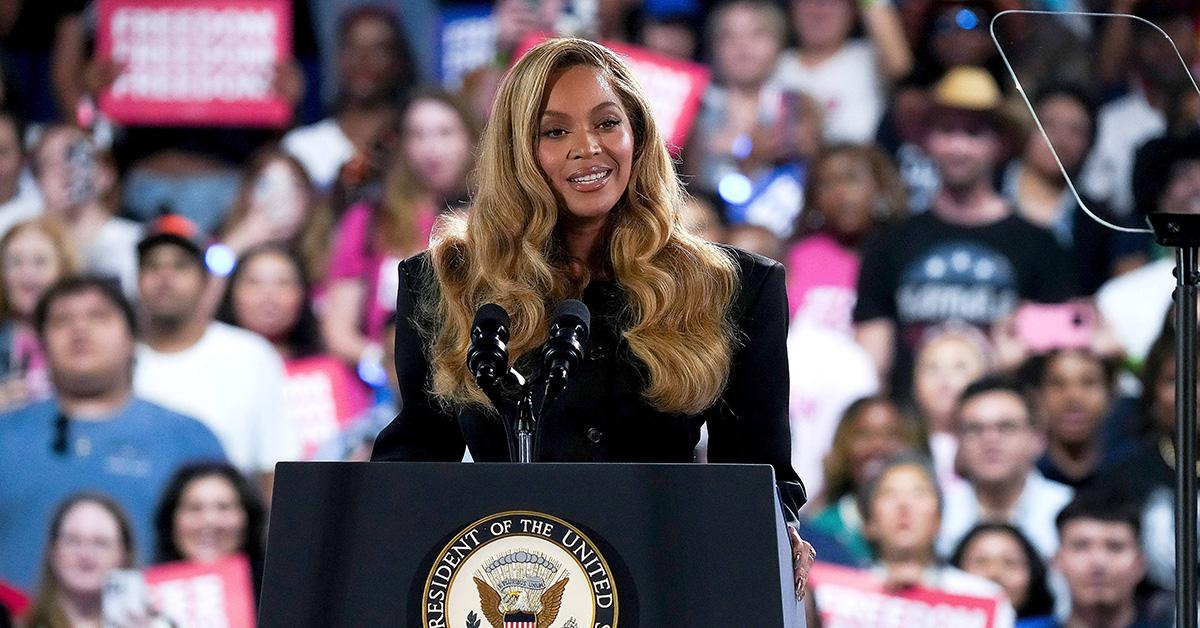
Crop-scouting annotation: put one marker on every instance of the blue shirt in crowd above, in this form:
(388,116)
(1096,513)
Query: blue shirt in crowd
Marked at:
(129,456)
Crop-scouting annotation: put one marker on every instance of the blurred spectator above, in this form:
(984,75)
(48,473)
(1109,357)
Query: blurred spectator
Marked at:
(945,34)
(852,191)
(951,33)
(901,509)
(1167,179)
(672,34)
(1149,472)
(747,128)
(276,203)
(269,294)
(849,78)
(871,431)
(209,512)
(1036,187)
(90,538)
(756,239)
(19,196)
(1000,553)
(999,443)
(33,256)
(229,378)
(79,186)
(1158,79)
(356,439)
(969,257)
(375,68)
(429,173)
(950,357)
(1101,559)
(95,434)
(1075,392)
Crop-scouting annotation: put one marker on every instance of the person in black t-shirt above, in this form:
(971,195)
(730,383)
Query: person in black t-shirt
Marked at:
(968,257)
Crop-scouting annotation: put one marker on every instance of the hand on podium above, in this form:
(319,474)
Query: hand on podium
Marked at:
(803,556)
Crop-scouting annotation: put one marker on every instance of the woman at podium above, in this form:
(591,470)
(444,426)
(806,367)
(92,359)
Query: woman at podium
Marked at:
(577,197)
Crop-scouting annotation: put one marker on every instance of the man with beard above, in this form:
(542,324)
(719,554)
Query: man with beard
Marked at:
(967,257)
(227,377)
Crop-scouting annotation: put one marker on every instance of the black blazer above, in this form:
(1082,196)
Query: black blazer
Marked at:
(601,416)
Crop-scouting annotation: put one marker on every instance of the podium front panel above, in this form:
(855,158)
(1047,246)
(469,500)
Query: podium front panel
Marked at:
(355,544)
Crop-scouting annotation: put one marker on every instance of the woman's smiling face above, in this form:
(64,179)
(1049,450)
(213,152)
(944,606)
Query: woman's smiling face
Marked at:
(585,143)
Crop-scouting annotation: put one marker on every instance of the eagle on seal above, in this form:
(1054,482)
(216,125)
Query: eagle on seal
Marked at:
(521,607)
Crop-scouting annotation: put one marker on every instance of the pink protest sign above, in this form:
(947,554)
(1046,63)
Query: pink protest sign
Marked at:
(195,62)
(852,598)
(191,594)
(322,396)
(14,599)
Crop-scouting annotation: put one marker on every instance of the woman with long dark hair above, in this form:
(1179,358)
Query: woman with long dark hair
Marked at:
(208,512)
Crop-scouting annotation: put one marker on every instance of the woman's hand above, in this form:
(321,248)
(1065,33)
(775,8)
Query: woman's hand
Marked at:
(803,557)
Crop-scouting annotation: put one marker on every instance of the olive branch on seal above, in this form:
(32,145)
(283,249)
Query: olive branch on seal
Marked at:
(472,620)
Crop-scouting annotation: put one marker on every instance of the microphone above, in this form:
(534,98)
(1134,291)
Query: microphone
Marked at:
(487,355)
(565,349)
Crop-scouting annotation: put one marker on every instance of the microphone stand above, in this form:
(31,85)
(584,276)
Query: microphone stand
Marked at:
(525,426)
(1182,231)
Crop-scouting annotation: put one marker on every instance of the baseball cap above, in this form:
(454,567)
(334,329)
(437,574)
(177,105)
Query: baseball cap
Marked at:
(175,229)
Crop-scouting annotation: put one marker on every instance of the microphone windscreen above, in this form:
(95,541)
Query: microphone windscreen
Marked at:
(572,308)
(491,313)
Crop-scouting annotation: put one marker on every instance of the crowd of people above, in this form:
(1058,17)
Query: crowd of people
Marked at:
(982,376)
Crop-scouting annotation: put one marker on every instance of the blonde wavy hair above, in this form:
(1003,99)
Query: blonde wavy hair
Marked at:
(508,250)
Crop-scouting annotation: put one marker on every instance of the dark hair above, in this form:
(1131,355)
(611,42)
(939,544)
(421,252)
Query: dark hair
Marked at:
(248,498)
(1081,96)
(1033,371)
(406,71)
(106,287)
(1038,599)
(1161,353)
(836,464)
(304,338)
(992,384)
(1109,505)
(18,125)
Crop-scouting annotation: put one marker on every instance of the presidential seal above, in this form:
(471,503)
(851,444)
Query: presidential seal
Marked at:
(519,569)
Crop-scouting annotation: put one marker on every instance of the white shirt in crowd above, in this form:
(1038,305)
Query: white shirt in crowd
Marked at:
(1037,507)
(322,148)
(113,252)
(1122,126)
(25,204)
(847,86)
(821,390)
(1135,305)
(232,381)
